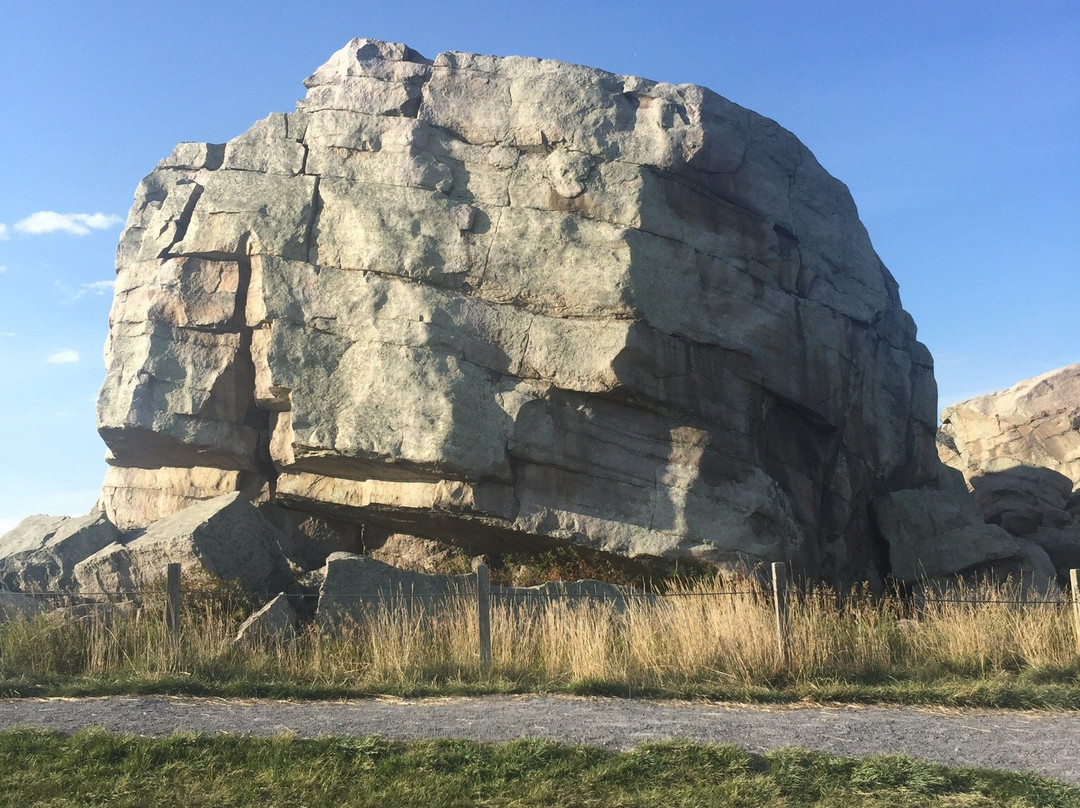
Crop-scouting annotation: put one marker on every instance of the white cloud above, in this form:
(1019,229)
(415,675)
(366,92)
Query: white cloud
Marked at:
(94,289)
(7,334)
(3,269)
(3,232)
(78,224)
(67,357)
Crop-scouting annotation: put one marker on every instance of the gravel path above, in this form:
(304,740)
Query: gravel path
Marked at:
(1044,742)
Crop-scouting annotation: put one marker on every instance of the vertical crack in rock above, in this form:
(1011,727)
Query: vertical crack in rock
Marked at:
(311,234)
(184,220)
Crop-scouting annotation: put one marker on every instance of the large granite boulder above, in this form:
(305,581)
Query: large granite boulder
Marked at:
(1019,451)
(509,302)
(40,553)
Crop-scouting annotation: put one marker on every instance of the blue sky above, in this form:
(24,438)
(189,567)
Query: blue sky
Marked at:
(955,124)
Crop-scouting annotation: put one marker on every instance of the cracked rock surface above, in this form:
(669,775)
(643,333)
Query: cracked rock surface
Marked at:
(507,300)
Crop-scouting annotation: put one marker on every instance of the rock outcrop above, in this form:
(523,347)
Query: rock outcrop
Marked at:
(1019,451)
(509,302)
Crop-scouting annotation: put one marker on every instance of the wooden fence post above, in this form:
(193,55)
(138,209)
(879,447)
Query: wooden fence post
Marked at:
(1074,585)
(172,611)
(780,604)
(483,607)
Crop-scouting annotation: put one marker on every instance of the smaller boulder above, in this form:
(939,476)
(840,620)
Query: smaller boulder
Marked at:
(353,583)
(939,534)
(41,552)
(225,537)
(275,621)
(1062,546)
(16,605)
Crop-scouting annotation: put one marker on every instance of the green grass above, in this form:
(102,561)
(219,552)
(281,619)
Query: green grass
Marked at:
(96,768)
(1017,691)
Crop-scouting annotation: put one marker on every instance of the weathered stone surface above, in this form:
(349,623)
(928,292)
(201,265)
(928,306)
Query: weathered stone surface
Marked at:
(18,605)
(135,497)
(1035,424)
(940,534)
(354,585)
(41,552)
(225,537)
(1062,547)
(512,300)
(1019,450)
(275,621)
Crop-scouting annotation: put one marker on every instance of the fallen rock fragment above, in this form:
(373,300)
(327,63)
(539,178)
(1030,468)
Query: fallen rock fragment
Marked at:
(225,537)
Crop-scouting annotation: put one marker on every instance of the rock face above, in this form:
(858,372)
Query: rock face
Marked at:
(513,302)
(1019,451)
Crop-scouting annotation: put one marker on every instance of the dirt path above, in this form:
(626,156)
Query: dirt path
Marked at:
(1044,742)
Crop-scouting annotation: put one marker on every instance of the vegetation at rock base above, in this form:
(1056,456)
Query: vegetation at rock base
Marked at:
(705,639)
(97,768)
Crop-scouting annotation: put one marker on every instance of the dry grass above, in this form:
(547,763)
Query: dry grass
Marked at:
(687,641)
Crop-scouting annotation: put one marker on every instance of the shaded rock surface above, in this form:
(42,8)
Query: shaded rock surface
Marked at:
(937,535)
(514,301)
(354,585)
(225,537)
(41,552)
(276,620)
(1019,452)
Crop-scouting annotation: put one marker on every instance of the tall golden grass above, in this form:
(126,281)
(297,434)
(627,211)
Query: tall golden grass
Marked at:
(700,634)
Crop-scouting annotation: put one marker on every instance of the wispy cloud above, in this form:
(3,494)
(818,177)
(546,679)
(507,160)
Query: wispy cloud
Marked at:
(7,335)
(77,224)
(3,269)
(3,232)
(93,289)
(67,357)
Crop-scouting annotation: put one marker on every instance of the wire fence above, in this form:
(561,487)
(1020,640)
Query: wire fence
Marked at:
(477,589)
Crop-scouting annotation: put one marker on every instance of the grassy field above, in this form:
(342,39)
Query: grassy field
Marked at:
(94,768)
(979,650)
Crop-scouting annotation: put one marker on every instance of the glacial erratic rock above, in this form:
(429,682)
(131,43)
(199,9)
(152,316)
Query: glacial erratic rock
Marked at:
(511,301)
